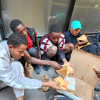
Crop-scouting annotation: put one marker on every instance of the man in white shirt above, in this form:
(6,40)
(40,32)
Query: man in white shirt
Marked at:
(11,70)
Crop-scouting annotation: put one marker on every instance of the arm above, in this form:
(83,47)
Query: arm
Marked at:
(52,84)
(37,42)
(68,37)
(34,60)
(62,57)
(80,43)
(13,76)
(66,62)
(61,49)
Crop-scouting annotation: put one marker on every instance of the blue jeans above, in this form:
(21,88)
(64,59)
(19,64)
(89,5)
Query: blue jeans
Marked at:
(33,52)
(89,48)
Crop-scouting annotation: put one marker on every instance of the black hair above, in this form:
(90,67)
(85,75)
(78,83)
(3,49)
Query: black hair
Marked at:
(55,28)
(14,23)
(16,39)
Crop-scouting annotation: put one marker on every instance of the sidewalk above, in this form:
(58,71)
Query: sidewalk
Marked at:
(35,94)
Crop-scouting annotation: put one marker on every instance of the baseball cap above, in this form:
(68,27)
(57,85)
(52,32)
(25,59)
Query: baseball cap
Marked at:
(76,24)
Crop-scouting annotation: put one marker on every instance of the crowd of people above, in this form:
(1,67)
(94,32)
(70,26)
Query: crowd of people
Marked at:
(52,50)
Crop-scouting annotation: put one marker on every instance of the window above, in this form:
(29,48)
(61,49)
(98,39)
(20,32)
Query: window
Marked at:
(88,13)
(34,13)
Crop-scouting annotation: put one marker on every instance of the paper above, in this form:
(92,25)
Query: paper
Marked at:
(71,83)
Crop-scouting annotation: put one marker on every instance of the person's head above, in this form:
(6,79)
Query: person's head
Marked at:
(18,26)
(75,28)
(55,32)
(17,44)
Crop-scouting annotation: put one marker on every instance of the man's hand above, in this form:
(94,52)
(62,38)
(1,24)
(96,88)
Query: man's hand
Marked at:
(54,85)
(55,65)
(98,73)
(70,69)
(67,63)
(81,42)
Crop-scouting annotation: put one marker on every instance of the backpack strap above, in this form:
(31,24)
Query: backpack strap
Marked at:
(34,38)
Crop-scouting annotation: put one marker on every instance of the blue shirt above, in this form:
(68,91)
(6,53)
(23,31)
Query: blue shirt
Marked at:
(69,38)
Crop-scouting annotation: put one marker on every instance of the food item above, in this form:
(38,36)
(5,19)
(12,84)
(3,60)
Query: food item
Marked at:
(28,70)
(95,68)
(63,71)
(66,69)
(63,84)
(45,78)
(82,38)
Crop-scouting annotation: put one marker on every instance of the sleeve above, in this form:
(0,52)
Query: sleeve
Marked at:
(61,47)
(44,44)
(61,54)
(13,75)
(42,48)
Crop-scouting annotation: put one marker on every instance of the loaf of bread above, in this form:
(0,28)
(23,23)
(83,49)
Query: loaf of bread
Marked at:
(28,70)
(63,84)
(95,68)
(45,78)
(65,70)
(82,38)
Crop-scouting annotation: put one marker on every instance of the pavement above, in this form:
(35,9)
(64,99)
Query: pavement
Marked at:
(35,94)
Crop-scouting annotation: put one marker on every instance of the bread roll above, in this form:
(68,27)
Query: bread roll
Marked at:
(95,68)
(82,38)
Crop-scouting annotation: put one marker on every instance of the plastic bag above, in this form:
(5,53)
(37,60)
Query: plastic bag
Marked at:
(28,70)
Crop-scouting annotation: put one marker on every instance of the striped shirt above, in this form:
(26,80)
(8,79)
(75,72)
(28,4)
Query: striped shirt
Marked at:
(46,42)
(8,75)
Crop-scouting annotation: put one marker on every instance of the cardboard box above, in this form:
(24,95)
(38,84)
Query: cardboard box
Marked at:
(86,79)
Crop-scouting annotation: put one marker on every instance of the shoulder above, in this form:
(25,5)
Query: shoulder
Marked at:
(3,48)
(44,38)
(30,31)
(67,33)
(62,35)
(3,44)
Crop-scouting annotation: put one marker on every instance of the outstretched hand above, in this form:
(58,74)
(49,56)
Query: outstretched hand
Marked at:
(55,65)
(55,86)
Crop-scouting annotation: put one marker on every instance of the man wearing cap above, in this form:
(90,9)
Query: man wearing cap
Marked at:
(72,35)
